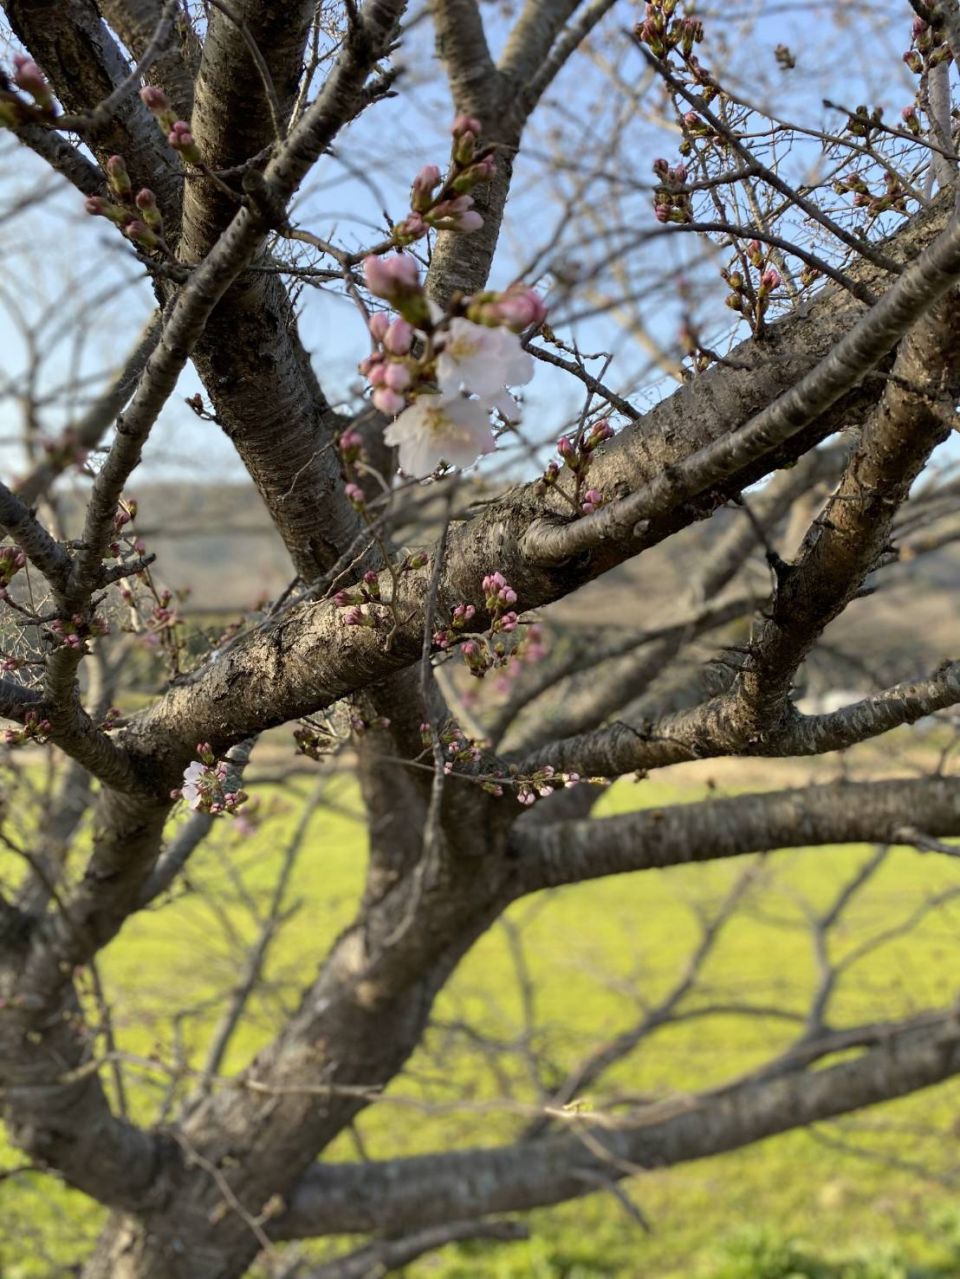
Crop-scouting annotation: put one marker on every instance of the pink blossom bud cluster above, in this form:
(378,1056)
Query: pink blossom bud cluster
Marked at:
(893,196)
(126,513)
(358,604)
(350,447)
(663,33)
(862,123)
(30,80)
(73,632)
(415,352)
(12,560)
(458,749)
(928,46)
(390,369)
(444,203)
(499,596)
(577,453)
(137,216)
(671,202)
(446,637)
(748,296)
(177,131)
(33,729)
(517,308)
(204,787)
(543,783)
(911,120)
(666,33)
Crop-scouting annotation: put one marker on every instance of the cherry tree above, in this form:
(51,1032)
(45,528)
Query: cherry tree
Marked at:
(777,290)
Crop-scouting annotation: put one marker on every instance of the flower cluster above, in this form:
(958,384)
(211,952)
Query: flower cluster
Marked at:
(15,109)
(204,788)
(457,747)
(440,376)
(928,46)
(671,201)
(447,636)
(892,197)
(177,131)
(664,32)
(577,453)
(73,632)
(749,296)
(12,560)
(359,602)
(444,203)
(33,729)
(137,216)
(482,652)
(544,782)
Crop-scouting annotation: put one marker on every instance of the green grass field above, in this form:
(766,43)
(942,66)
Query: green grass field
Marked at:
(590,953)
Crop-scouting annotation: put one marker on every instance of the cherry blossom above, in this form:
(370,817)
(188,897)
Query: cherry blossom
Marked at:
(440,428)
(483,361)
(192,790)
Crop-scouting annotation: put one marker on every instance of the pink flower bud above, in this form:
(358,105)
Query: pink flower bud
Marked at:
(379,324)
(388,402)
(421,195)
(770,279)
(391,277)
(146,202)
(154,99)
(398,377)
(376,372)
(470,221)
(117,176)
(355,494)
(30,78)
(466,124)
(141,235)
(411,228)
(398,338)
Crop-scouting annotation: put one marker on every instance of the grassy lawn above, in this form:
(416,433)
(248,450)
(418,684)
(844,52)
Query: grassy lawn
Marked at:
(589,955)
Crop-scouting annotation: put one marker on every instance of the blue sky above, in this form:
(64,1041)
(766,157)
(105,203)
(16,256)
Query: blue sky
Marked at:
(63,266)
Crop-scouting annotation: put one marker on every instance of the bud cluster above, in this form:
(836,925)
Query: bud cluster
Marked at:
(412,348)
(204,785)
(544,782)
(749,296)
(15,109)
(863,123)
(577,453)
(665,33)
(928,45)
(893,197)
(12,560)
(137,216)
(177,131)
(33,729)
(457,747)
(359,604)
(444,203)
(73,632)
(671,201)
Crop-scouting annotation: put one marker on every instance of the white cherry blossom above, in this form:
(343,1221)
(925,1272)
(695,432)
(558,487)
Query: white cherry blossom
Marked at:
(440,428)
(483,361)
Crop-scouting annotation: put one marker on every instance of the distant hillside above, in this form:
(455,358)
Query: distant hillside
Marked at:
(218,541)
